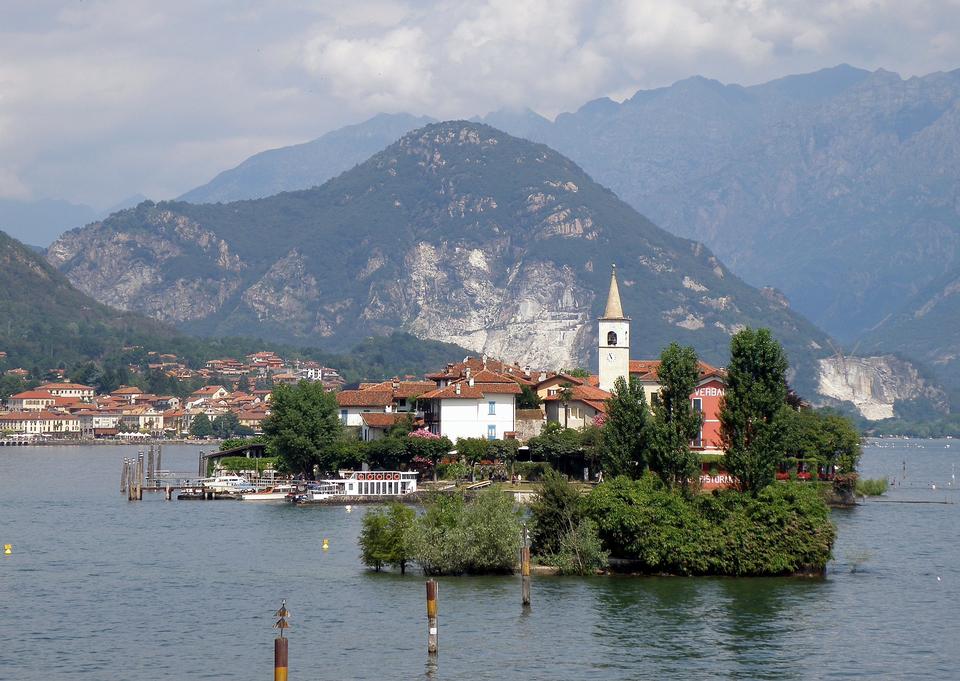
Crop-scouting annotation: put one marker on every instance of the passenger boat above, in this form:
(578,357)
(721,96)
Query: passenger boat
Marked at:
(279,492)
(361,485)
(228,483)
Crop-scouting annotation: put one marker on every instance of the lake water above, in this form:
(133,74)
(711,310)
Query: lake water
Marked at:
(102,588)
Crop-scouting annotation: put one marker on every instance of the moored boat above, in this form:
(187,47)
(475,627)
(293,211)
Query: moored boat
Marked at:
(280,492)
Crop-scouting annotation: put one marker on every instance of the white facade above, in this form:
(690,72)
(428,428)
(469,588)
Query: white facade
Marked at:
(350,416)
(461,418)
(614,351)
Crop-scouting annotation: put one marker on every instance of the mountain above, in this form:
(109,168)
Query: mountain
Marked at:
(838,188)
(44,320)
(929,326)
(457,232)
(305,165)
(39,222)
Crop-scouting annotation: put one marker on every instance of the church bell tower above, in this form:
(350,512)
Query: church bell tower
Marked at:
(614,340)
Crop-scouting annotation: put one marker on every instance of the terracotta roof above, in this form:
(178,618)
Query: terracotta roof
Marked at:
(64,386)
(36,416)
(127,390)
(364,398)
(646,369)
(508,388)
(401,389)
(34,395)
(380,420)
(208,390)
(467,392)
(529,415)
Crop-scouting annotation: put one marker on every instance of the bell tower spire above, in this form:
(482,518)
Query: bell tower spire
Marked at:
(614,338)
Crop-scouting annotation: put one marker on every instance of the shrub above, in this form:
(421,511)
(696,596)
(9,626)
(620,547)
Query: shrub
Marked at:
(556,512)
(580,552)
(532,471)
(455,537)
(784,529)
(452,471)
(387,537)
(872,488)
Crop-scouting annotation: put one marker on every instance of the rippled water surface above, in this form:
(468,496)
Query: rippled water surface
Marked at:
(101,588)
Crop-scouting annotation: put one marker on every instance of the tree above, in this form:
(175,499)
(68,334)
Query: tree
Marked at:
(303,427)
(473,450)
(624,432)
(201,426)
(675,423)
(753,411)
(428,447)
(555,444)
(823,437)
(226,425)
(528,398)
(387,537)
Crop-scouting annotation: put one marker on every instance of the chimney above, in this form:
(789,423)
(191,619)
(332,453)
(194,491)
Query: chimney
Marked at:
(543,376)
(470,381)
(456,388)
(526,371)
(467,372)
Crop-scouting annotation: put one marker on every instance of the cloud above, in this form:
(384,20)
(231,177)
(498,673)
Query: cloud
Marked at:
(106,98)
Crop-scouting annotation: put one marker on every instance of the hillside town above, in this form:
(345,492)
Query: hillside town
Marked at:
(60,409)
(478,397)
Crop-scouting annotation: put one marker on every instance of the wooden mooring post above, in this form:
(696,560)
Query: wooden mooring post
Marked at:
(124,474)
(432,627)
(280,645)
(525,568)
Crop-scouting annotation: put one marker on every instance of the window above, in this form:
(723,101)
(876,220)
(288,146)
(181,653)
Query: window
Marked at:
(343,416)
(697,405)
(491,432)
(612,338)
(491,408)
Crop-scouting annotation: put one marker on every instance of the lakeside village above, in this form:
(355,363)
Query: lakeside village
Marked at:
(624,458)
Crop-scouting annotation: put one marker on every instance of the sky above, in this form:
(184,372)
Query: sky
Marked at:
(103,99)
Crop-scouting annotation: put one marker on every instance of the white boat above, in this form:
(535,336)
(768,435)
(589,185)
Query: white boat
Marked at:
(280,492)
(360,484)
(228,483)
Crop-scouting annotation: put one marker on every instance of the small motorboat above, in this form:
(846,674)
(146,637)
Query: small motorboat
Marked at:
(276,493)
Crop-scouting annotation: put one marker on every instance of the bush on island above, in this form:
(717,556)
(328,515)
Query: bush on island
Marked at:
(562,535)
(386,537)
(783,529)
(481,536)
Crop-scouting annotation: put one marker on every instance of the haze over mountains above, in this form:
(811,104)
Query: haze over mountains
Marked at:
(805,183)
(457,232)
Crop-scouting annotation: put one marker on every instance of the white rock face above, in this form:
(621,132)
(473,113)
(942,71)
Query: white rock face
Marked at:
(873,384)
(531,311)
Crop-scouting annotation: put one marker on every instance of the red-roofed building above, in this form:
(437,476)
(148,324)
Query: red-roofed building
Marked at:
(482,403)
(31,400)
(82,392)
(40,423)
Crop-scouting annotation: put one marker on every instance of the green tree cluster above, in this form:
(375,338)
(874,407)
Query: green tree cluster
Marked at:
(561,534)
(453,536)
(783,529)
(387,537)
(675,424)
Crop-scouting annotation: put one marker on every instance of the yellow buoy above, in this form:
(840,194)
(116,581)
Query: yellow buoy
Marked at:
(7,549)
(326,544)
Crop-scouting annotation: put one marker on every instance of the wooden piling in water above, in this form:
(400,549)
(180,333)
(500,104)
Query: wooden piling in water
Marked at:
(169,493)
(525,567)
(156,464)
(525,576)
(280,658)
(123,476)
(432,627)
